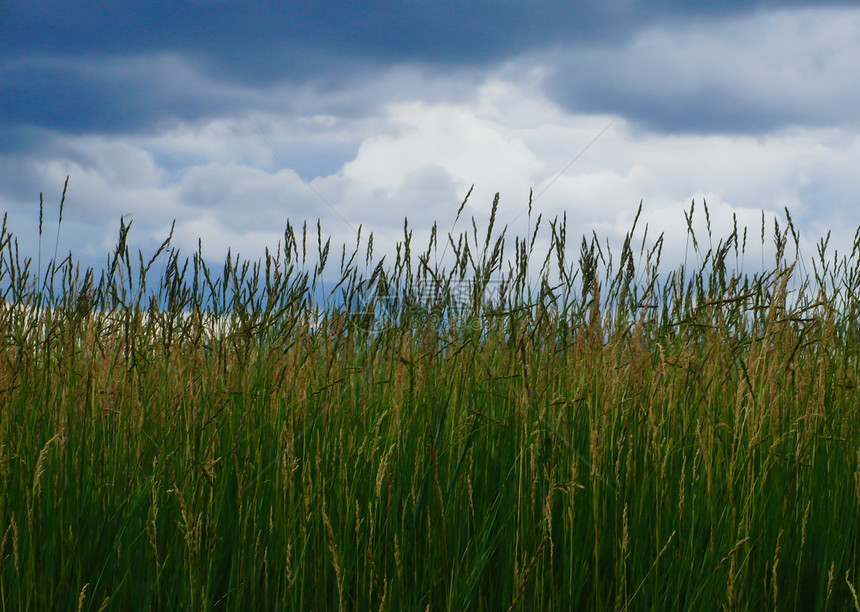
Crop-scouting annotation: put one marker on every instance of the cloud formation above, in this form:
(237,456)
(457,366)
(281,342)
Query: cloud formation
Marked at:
(233,121)
(130,67)
(221,182)
(772,70)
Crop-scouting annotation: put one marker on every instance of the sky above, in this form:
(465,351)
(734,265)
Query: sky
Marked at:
(232,118)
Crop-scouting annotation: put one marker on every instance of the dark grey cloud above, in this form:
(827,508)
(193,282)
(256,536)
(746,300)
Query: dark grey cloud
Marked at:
(704,110)
(439,31)
(100,67)
(770,71)
(445,30)
(93,94)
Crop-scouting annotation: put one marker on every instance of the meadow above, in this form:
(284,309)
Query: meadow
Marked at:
(571,428)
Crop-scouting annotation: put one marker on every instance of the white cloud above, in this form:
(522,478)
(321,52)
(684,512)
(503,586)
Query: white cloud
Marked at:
(417,159)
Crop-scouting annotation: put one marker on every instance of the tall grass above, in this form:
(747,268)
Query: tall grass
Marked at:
(598,435)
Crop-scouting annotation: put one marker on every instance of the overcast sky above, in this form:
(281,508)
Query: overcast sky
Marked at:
(233,117)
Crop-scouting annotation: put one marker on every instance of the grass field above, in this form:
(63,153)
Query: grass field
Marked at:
(526,430)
